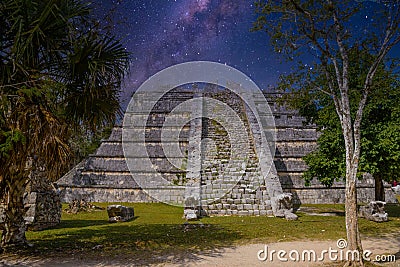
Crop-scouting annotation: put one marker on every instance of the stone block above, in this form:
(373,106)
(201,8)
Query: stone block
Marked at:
(119,213)
(290,216)
(190,214)
(374,211)
(226,206)
(247,206)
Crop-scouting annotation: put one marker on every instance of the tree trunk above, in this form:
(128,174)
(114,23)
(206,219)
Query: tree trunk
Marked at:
(353,235)
(352,159)
(379,189)
(14,224)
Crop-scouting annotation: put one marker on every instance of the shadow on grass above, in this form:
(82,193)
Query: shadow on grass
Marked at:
(393,210)
(131,244)
(65,224)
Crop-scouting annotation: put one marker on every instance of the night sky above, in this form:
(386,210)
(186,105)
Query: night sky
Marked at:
(161,33)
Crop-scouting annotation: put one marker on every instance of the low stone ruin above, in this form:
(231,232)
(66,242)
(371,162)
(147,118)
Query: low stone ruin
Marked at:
(119,213)
(283,207)
(43,210)
(374,211)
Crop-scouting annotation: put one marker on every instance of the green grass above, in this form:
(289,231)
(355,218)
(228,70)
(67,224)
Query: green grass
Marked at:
(157,232)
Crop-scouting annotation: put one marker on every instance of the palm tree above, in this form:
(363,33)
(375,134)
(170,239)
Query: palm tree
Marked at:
(59,71)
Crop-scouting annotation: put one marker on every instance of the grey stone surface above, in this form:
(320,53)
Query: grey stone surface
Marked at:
(396,189)
(374,211)
(119,213)
(284,202)
(290,216)
(190,214)
(283,207)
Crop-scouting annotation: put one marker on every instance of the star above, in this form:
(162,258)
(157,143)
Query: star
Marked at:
(164,33)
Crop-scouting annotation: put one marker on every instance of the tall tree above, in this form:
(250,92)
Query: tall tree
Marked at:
(325,28)
(380,154)
(59,72)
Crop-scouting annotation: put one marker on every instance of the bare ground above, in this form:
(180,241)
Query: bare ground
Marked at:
(240,256)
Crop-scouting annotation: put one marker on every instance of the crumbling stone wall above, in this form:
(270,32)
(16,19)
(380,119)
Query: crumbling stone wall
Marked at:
(43,210)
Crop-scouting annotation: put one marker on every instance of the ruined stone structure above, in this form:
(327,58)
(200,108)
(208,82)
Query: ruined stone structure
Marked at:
(43,210)
(41,201)
(105,176)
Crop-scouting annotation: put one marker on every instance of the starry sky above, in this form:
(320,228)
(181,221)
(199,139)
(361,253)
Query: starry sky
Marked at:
(162,33)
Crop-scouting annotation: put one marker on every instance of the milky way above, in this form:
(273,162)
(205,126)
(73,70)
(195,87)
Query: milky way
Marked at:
(161,33)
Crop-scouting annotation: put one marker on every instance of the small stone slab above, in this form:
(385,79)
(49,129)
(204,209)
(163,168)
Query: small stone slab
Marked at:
(189,215)
(119,213)
(290,216)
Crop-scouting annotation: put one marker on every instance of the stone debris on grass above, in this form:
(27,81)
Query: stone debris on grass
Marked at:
(119,213)
(190,214)
(81,206)
(374,211)
(284,207)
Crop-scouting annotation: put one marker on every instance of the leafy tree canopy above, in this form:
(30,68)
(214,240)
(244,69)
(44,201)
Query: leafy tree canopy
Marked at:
(60,76)
(380,151)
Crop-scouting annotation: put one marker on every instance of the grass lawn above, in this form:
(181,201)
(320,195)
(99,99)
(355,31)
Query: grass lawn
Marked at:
(158,232)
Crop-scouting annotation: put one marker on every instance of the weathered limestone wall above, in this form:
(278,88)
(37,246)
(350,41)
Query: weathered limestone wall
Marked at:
(104,194)
(317,193)
(44,210)
(105,176)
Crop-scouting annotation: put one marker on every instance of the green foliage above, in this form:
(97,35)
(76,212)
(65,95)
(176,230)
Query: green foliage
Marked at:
(58,79)
(327,163)
(86,142)
(381,135)
(380,153)
(60,76)
(9,139)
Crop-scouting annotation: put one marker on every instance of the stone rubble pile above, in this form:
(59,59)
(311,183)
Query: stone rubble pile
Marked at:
(81,206)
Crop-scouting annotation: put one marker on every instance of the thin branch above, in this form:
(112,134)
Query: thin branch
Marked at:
(343,54)
(14,85)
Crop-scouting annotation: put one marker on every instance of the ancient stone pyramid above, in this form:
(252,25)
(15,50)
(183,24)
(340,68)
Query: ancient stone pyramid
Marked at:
(105,176)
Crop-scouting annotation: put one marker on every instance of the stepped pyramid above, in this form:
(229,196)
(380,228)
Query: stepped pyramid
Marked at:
(205,149)
(244,189)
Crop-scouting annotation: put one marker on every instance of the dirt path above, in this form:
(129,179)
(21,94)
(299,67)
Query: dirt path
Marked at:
(240,256)
(243,256)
